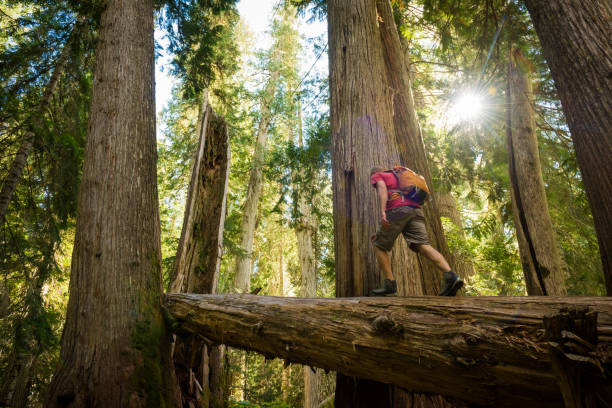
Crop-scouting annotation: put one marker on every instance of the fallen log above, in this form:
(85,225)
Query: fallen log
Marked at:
(486,351)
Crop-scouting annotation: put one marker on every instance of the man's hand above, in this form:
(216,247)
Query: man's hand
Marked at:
(383,221)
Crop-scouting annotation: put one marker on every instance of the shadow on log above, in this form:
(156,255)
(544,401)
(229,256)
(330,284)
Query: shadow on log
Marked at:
(486,351)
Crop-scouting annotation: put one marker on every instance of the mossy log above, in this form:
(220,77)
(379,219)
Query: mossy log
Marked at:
(486,351)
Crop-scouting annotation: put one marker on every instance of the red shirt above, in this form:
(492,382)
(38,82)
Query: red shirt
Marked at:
(394,200)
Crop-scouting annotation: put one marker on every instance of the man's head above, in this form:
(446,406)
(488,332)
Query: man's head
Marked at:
(376,169)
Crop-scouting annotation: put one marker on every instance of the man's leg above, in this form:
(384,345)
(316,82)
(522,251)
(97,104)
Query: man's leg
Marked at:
(437,258)
(384,261)
(451,283)
(389,286)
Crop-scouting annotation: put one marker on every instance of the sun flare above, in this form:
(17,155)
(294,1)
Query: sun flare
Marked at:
(467,107)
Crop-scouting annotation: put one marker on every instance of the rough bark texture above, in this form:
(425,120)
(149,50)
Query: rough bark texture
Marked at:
(572,336)
(576,38)
(242,279)
(10,182)
(199,253)
(485,351)
(115,349)
(198,258)
(540,255)
(448,208)
(362,137)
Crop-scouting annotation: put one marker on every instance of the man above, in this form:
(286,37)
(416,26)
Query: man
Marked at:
(400,214)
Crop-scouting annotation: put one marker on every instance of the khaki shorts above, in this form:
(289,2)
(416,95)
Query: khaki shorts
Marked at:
(407,220)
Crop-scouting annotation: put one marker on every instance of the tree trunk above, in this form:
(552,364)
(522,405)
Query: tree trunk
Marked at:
(448,208)
(10,182)
(242,280)
(576,38)
(115,349)
(483,350)
(409,140)
(373,122)
(540,255)
(198,258)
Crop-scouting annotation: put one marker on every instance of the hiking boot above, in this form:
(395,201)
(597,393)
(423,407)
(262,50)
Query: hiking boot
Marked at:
(451,283)
(388,288)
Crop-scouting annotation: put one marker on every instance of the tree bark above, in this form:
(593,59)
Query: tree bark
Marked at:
(576,38)
(199,368)
(540,255)
(10,182)
(115,348)
(198,258)
(484,351)
(361,132)
(572,336)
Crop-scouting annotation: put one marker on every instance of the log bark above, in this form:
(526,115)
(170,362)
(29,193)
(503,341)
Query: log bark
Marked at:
(572,336)
(576,38)
(115,349)
(488,351)
(199,368)
(540,255)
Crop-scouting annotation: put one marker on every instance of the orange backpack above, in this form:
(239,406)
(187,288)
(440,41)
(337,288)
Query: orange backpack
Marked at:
(411,185)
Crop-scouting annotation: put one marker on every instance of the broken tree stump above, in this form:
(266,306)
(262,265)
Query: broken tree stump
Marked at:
(583,371)
(196,267)
(486,351)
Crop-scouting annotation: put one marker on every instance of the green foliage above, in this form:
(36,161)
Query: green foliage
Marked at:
(470,159)
(36,235)
(270,383)
(200,36)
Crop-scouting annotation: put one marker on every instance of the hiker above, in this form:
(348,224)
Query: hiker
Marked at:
(401,213)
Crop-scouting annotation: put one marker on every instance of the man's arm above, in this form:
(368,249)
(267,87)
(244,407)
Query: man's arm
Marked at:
(381,189)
